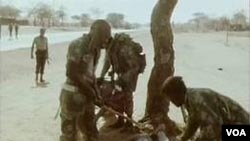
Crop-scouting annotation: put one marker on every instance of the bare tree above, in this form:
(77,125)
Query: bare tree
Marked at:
(115,19)
(61,14)
(239,18)
(223,23)
(85,20)
(162,36)
(199,17)
(76,17)
(9,11)
(41,12)
(97,12)
(32,13)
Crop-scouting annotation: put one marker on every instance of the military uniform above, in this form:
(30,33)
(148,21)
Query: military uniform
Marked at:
(16,30)
(77,105)
(125,56)
(208,110)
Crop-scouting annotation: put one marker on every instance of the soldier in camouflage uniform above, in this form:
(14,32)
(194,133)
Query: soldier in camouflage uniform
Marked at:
(207,109)
(79,93)
(127,60)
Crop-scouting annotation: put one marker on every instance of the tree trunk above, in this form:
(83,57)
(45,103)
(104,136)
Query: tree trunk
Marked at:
(164,56)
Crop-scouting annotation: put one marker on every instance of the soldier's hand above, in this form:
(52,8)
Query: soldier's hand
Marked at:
(99,102)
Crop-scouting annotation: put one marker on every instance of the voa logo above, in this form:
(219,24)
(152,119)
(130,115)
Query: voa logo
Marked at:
(236,132)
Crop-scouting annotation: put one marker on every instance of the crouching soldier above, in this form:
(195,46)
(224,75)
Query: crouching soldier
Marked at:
(207,109)
(79,92)
(127,60)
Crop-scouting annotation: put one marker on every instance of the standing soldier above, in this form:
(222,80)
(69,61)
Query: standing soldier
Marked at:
(10,30)
(42,53)
(0,30)
(207,109)
(128,61)
(79,92)
(16,30)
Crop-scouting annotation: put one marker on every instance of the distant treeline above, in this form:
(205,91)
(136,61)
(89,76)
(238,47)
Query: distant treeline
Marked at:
(6,21)
(202,22)
(43,14)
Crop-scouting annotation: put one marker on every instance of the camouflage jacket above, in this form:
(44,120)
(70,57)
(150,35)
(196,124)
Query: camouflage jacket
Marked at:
(124,55)
(207,107)
(80,54)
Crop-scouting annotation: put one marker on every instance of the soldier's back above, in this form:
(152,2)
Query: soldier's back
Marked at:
(125,52)
(222,107)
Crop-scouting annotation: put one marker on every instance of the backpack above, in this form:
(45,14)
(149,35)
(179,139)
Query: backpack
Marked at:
(126,54)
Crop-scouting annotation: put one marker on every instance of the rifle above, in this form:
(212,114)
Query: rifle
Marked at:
(141,126)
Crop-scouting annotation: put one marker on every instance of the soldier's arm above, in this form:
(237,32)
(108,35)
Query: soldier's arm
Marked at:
(192,126)
(32,47)
(73,72)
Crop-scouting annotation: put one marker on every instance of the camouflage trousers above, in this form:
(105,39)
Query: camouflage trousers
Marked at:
(77,114)
(127,104)
(128,82)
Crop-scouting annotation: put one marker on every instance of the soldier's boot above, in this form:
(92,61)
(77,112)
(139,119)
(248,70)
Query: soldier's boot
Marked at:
(118,124)
(41,78)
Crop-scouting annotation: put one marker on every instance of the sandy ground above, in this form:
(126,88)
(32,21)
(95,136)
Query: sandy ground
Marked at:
(27,113)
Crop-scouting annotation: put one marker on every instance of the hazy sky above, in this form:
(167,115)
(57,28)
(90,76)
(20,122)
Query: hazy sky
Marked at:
(140,10)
